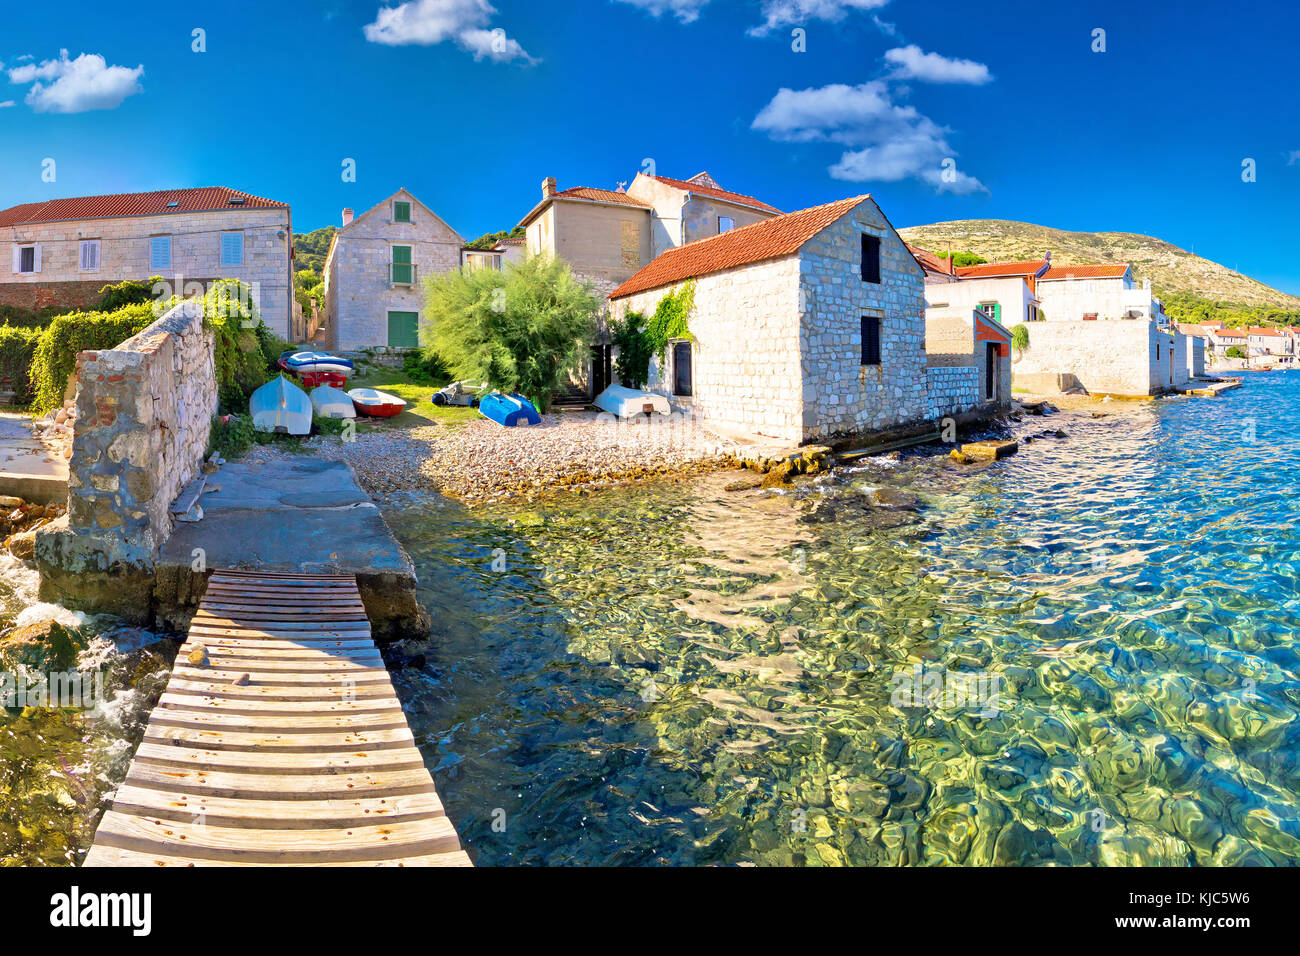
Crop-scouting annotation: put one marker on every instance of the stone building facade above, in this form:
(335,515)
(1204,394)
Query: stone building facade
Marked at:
(62,252)
(144,414)
(1121,357)
(688,210)
(792,336)
(376,272)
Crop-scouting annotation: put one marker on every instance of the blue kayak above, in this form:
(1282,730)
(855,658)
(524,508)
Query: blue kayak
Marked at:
(509,410)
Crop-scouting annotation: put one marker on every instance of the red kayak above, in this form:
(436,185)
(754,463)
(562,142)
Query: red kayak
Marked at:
(376,404)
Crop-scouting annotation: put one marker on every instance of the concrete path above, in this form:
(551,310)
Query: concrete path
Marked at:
(299,514)
(27,469)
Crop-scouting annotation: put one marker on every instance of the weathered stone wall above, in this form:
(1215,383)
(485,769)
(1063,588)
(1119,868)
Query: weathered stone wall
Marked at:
(359,295)
(124,253)
(949,339)
(38,295)
(952,390)
(841,396)
(144,413)
(1195,356)
(1108,357)
(745,358)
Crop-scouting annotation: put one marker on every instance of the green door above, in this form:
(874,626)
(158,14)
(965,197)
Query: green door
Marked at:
(404,330)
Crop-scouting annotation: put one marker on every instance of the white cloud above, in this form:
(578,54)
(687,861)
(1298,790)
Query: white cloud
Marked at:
(888,141)
(687,11)
(789,13)
(7,103)
(1293,157)
(76,86)
(467,23)
(912,63)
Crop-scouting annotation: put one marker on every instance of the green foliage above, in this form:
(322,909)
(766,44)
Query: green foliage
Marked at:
(16,317)
(17,346)
(1194,309)
(307,285)
(419,369)
(1020,338)
(962,259)
(490,239)
(520,329)
(1236,352)
(634,350)
(55,358)
(246,350)
(312,248)
(128,292)
(671,320)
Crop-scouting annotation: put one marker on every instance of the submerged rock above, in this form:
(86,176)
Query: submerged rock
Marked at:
(44,645)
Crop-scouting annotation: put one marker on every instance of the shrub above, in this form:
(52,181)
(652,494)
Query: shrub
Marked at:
(520,330)
(55,357)
(17,346)
(634,350)
(246,351)
(1020,338)
(1236,352)
(670,320)
(127,292)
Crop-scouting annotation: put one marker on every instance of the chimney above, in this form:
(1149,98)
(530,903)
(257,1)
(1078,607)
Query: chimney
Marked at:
(951,262)
(347,216)
(548,187)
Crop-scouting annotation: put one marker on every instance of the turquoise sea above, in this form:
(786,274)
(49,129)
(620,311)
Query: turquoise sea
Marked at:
(678,674)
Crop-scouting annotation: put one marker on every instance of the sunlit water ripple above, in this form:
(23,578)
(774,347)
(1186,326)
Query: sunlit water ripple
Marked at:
(681,675)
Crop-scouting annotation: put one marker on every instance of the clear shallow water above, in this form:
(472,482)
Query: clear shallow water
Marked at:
(59,766)
(681,675)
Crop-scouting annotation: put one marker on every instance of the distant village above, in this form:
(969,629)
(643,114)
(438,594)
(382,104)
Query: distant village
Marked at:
(807,325)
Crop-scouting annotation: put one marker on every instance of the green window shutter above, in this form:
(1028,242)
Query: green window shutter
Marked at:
(997,312)
(404,330)
(401,212)
(403,271)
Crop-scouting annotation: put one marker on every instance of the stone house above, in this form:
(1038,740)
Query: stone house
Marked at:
(688,210)
(806,326)
(1220,340)
(376,270)
(1272,344)
(964,335)
(498,257)
(63,251)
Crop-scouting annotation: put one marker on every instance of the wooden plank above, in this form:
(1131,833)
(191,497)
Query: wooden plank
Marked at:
(285,746)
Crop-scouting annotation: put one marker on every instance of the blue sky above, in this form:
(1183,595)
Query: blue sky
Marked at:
(470,104)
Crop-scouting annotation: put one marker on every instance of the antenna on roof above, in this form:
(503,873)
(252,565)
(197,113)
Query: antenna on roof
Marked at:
(622,187)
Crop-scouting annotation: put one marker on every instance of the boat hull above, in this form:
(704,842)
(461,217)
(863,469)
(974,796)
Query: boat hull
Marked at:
(628,402)
(330,402)
(375,404)
(281,407)
(510,411)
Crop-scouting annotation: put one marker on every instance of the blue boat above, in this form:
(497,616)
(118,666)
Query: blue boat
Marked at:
(509,410)
(308,363)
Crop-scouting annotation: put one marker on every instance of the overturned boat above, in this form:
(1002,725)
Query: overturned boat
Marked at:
(509,410)
(281,407)
(330,402)
(629,402)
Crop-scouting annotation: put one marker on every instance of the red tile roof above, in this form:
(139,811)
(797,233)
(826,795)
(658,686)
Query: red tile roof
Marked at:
(928,260)
(600,195)
(515,241)
(717,193)
(1265,330)
(205,199)
(774,238)
(1114,271)
(996,270)
(1229,333)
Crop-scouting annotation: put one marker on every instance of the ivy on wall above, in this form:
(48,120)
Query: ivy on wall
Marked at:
(17,346)
(671,320)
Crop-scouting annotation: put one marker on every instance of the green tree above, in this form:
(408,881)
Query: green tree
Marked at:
(520,329)
(634,350)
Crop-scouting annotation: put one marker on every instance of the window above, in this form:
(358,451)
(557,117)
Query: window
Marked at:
(401,212)
(870,259)
(870,340)
(27,259)
(232,248)
(160,252)
(402,271)
(725,224)
(992,310)
(90,255)
(404,330)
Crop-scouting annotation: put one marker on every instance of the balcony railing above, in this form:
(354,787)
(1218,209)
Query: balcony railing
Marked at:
(402,273)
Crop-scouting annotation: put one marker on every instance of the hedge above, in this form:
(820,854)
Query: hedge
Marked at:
(56,354)
(17,346)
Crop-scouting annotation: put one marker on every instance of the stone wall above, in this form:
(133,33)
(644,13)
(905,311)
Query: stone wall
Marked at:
(144,413)
(952,390)
(124,253)
(359,292)
(1107,357)
(38,295)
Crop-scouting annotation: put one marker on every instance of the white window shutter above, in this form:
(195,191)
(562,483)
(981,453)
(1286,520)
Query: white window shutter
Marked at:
(18,258)
(38,257)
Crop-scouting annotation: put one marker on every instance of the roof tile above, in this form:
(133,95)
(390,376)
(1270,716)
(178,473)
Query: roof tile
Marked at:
(773,238)
(716,193)
(119,205)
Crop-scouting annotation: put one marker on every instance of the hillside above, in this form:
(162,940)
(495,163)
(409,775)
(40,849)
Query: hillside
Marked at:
(1170,269)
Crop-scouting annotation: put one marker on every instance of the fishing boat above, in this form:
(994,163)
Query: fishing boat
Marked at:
(509,410)
(308,362)
(330,402)
(281,407)
(629,402)
(376,404)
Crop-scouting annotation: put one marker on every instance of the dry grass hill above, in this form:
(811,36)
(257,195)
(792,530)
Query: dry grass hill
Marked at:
(1169,268)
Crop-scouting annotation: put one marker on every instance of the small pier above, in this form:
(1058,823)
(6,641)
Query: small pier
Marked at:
(279,741)
(1209,389)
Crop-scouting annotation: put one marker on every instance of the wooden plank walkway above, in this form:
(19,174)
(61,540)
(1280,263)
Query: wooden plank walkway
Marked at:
(278,742)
